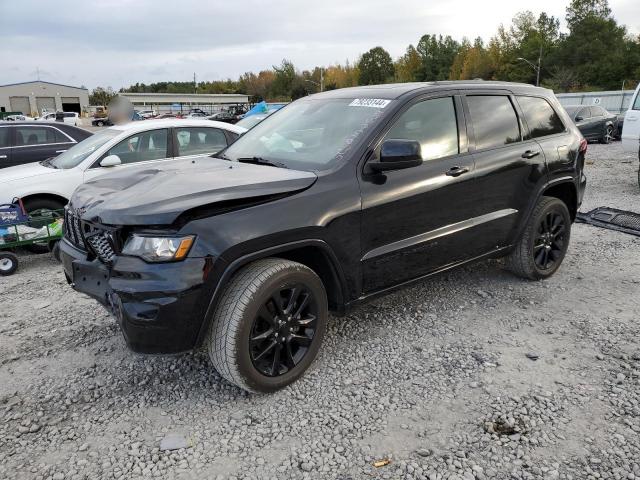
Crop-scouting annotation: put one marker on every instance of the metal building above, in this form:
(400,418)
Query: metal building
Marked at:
(181,102)
(34,98)
(615,101)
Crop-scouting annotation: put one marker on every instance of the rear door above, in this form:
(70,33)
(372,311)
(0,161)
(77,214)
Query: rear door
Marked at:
(34,143)
(509,166)
(631,125)
(195,141)
(5,146)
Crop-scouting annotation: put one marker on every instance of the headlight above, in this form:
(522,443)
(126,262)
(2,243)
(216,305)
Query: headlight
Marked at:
(158,249)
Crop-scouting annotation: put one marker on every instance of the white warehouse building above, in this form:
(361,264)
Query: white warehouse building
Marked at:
(181,102)
(32,98)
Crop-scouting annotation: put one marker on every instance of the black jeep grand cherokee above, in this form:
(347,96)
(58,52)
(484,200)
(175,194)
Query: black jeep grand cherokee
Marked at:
(337,197)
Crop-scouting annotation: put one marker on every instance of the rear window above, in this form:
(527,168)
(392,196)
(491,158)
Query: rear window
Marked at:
(494,120)
(540,117)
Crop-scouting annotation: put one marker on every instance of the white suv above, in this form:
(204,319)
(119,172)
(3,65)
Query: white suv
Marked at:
(48,185)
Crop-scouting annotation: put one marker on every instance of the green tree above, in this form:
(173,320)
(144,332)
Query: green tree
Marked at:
(101,96)
(284,79)
(437,54)
(375,67)
(595,47)
(409,66)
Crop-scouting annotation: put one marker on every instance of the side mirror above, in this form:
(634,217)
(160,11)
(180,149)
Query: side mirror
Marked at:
(110,161)
(579,118)
(398,154)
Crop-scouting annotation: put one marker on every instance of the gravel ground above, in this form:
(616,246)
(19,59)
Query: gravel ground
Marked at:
(471,374)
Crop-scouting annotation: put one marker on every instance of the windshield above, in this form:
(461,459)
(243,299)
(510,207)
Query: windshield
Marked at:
(251,121)
(308,134)
(76,154)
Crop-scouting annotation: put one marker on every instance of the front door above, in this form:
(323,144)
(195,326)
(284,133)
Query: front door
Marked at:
(144,148)
(417,220)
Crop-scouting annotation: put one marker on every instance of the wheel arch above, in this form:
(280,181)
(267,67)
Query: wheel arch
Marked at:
(313,253)
(565,191)
(46,196)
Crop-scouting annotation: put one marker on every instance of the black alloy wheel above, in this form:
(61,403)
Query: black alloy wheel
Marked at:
(543,244)
(549,245)
(283,330)
(268,325)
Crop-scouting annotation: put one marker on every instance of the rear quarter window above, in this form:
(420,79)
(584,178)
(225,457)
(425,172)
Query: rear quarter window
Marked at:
(494,120)
(540,116)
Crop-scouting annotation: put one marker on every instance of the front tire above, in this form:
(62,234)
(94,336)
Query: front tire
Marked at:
(544,242)
(268,325)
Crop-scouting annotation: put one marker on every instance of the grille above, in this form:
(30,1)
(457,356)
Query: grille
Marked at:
(101,245)
(73,229)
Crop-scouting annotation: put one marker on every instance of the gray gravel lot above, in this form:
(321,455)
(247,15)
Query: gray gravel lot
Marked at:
(471,374)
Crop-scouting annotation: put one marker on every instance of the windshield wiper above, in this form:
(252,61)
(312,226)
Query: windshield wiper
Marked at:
(220,155)
(262,161)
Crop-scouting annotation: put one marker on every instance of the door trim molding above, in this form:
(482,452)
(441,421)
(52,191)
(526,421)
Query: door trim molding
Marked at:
(437,233)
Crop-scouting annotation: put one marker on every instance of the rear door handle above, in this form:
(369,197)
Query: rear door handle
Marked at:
(3,156)
(530,153)
(60,151)
(457,171)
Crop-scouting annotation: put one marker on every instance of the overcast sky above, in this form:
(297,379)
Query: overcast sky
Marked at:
(120,42)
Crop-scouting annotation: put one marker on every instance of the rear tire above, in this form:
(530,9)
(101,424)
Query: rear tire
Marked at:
(544,242)
(268,325)
(8,264)
(35,205)
(607,135)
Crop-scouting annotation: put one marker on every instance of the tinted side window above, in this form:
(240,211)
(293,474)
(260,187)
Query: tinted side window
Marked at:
(201,140)
(540,117)
(494,120)
(4,137)
(144,146)
(433,124)
(34,135)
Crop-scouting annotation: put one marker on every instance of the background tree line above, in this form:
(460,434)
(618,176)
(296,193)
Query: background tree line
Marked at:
(596,53)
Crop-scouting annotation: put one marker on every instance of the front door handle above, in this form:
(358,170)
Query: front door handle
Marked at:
(3,156)
(456,171)
(60,151)
(530,153)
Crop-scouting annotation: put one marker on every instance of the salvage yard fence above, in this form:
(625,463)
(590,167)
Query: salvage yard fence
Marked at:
(615,101)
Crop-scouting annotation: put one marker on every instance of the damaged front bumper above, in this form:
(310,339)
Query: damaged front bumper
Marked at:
(160,307)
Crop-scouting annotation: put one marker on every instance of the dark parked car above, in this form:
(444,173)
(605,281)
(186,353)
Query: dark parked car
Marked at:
(26,142)
(247,253)
(227,117)
(101,122)
(594,122)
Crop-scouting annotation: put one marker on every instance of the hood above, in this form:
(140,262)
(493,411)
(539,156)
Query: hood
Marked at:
(157,196)
(28,170)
